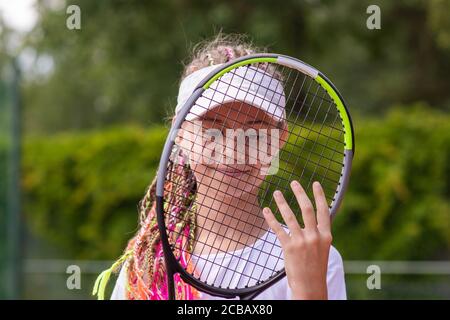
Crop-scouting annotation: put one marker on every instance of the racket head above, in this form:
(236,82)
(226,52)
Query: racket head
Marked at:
(319,142)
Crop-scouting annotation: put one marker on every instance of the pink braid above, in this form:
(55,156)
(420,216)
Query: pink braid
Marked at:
(229,53)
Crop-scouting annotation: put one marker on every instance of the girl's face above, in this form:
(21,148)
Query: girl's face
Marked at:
(230,149)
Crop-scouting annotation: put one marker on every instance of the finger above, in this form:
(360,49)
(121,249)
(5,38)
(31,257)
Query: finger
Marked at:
(305,204)
(275,226)
(323,211)
(286,213)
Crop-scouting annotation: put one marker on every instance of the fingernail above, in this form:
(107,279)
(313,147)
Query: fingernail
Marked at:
(295,183)
(277,193)
(265,211)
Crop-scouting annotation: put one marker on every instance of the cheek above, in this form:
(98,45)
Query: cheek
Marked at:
(203,174)
(187,136)
(196,149)
(192,150)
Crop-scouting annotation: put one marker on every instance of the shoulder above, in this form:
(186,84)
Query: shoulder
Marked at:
(119,292)
(335,259)
(336,276)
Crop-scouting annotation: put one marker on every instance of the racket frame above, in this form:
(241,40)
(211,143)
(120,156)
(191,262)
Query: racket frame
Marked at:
(172,266)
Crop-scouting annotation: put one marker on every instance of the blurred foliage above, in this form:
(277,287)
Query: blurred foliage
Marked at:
(125,62)
(398,205)
(81,190)
(5,156)
(4,146)
(120,73)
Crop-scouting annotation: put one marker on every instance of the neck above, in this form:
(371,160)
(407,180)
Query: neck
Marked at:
(227,224)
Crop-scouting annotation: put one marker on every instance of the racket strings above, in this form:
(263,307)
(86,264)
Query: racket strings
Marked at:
(337,139)
(325,178)
(287,150)
(180,248)
(313,151)
(336,169)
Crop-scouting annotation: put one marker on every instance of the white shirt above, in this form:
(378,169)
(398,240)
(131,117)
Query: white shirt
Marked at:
(245,266)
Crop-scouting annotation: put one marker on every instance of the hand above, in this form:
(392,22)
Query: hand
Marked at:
(306,249)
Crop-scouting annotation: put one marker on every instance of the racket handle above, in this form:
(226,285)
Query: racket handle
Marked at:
(171,285)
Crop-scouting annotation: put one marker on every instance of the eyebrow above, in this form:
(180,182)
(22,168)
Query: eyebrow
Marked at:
(212,119)
(253,121)
(256,121)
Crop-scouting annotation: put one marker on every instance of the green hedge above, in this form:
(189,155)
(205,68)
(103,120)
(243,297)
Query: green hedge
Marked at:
(398,204)
(81,190)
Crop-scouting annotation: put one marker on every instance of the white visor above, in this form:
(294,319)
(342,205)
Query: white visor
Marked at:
(247,84)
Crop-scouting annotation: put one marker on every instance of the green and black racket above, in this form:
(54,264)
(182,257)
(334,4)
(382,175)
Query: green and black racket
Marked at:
(247,128)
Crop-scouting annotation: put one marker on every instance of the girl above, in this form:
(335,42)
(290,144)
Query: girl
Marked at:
(313,267)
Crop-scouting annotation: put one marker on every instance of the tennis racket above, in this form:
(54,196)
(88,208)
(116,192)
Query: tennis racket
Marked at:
(247,128)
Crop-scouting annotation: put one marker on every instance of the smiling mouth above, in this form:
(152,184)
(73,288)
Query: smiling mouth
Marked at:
(232,172)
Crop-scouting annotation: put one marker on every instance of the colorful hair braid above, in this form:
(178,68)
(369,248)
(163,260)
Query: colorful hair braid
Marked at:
(144,257)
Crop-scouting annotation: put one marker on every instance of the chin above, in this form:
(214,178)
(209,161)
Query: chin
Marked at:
(231,192)
(227,187)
